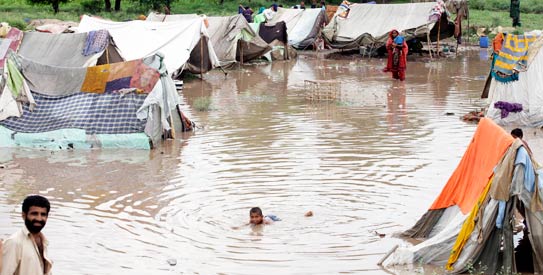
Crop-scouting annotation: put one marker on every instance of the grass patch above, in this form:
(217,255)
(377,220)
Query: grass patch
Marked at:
(202,104)
(526,6)
(491,19)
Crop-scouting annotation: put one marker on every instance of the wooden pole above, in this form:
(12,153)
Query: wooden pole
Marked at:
(285,55)
(468,28)
(438,33)
(201,57)
(107,54)
(428,41)
(241,52)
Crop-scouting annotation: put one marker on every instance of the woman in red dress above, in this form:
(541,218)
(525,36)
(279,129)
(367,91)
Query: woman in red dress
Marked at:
(397,56)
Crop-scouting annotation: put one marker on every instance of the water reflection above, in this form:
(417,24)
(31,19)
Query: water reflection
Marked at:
(397,110)
(366,165)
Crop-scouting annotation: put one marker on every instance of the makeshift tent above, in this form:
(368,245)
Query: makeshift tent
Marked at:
(231,36)
(369,24)
(63,50)
(515,87)
(276,36)
(303,25)
(128,104)
(470,224)
(184,44)
(158,17)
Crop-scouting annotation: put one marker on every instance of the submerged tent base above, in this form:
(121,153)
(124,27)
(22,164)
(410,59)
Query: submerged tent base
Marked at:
(73,139)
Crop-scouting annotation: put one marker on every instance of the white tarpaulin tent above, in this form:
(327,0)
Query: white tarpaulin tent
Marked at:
(527,90)
(369,24)
(159,17)
(231,36)
(303,25)
(175,40)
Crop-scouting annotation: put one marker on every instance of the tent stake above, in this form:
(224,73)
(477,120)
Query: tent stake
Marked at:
(387,255)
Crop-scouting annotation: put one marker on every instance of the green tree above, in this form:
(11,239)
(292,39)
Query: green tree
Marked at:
(54,3)
(117,5)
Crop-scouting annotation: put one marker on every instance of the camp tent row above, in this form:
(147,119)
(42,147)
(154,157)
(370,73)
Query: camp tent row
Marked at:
(369,24)
(232,38)
(184,44)
(470,225)
(515,84)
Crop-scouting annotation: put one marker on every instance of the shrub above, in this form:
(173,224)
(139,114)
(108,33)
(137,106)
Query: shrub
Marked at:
(91,6)
(18,23)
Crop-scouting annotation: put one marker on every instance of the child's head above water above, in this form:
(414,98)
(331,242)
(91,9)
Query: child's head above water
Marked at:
(255,215)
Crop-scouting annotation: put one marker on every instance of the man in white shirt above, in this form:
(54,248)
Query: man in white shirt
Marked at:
(25,252)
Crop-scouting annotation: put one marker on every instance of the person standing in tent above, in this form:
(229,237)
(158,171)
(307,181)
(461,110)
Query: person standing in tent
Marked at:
(397,55)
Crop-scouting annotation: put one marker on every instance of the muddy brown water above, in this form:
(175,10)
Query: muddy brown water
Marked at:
(366,165)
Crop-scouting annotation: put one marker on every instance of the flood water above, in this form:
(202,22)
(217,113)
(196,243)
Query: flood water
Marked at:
(368,164)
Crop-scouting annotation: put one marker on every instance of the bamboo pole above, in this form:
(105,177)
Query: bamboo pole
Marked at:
(107,54)
(438,34)
(285,55)
(468,28)
(428,41)
(201,57)
(172,125)
(241,52)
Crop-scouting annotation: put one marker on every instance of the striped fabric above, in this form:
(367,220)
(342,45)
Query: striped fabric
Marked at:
(512,57)
(108,113)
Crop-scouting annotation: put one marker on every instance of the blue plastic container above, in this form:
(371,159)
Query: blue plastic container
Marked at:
(483,41)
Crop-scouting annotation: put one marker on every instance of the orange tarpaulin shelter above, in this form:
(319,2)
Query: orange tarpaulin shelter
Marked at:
(487,147)
(470,226)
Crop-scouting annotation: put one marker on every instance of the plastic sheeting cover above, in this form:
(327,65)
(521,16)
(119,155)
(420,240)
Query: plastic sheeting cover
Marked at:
(72,139)
(368,23)
(139,39)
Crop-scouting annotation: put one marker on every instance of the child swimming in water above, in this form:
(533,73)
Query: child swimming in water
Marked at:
(256,217)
